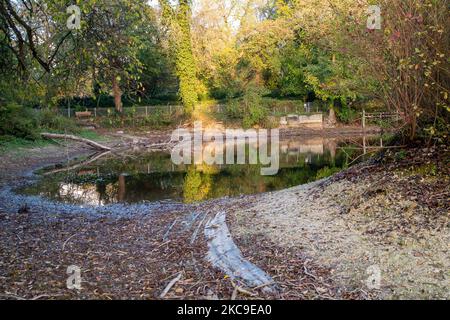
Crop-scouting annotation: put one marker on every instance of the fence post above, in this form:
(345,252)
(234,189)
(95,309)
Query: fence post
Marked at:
(146,111)
(364,119)
(364,145)
(95,112)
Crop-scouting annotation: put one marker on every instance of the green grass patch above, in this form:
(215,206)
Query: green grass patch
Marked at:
(91,135)
(10,143)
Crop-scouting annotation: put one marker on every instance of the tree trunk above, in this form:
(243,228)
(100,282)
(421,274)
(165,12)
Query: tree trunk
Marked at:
(413,127)
(332,116)
(117,95)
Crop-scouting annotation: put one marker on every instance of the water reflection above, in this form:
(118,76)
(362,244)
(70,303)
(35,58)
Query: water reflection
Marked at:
(153,177)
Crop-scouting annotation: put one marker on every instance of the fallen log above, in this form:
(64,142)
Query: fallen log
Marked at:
(224,254)
(88,142)
(78,165)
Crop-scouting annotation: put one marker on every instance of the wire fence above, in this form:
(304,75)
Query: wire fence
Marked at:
(144,111)
(283,108)
(141,111)
(366,119)
(381,118)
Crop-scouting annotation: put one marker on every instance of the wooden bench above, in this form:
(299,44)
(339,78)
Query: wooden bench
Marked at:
(83,114)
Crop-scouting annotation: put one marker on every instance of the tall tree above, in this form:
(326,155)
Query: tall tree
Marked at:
(110,43)
(179,22)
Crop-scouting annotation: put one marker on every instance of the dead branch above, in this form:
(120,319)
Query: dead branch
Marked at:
(75,138)
(170,285)
(242,290)
(78,165)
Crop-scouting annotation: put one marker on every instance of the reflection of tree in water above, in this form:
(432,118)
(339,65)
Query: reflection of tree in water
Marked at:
(122,188)
(197,184)
(154,177)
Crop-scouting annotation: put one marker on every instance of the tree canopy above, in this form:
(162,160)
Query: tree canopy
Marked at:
(196,50)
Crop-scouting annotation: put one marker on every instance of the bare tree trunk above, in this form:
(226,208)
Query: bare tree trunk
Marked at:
(413,127)
(332,115)
(117,95)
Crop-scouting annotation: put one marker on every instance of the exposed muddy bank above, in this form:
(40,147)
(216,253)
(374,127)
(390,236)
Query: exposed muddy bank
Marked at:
(315,241)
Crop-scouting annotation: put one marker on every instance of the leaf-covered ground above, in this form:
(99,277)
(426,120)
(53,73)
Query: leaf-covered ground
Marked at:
(315,241)
(392,214)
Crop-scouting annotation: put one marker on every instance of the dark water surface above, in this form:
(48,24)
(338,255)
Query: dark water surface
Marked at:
(151,177)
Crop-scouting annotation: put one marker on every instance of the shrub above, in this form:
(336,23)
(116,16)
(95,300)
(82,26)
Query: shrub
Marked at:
(158,119)
(51,121)
(18,121)
(233,109)
(255,113)
(347,115)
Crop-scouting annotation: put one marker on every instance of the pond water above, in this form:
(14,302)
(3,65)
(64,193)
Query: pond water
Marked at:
(151,177)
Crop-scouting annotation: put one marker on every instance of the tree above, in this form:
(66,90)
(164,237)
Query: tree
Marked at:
(179,22)
(110,41)
(408,58)
(33,32)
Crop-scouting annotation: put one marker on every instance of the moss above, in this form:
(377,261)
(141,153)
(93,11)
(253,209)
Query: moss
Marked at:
(429,169)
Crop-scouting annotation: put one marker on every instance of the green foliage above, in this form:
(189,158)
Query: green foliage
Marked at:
(157,118)
(233,109)
(347,115)
(288,48)
(51,121)
(185,59)
(228,78)
(401,155)
(180,22)
(10,143)
(327,172)
(255,113)
(18,121)
(26,123)
(197,186)
(294,58)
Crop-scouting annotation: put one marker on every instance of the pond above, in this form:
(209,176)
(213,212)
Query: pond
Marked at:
(152,177)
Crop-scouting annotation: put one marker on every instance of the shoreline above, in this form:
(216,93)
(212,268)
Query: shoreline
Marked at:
(322,226)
